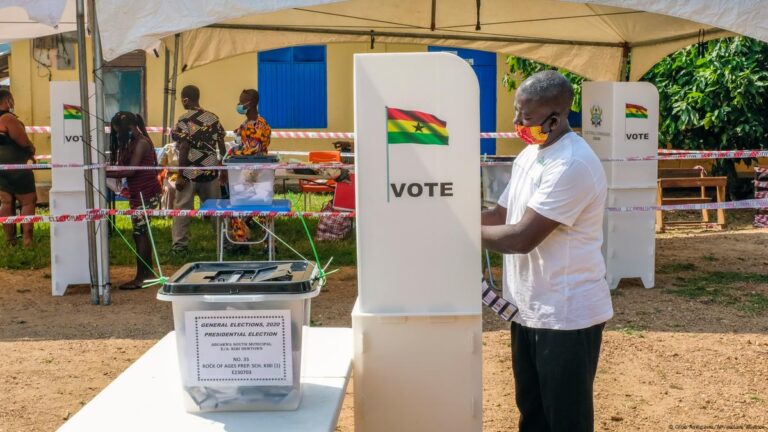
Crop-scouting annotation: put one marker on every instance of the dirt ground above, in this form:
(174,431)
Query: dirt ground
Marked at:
(668,361)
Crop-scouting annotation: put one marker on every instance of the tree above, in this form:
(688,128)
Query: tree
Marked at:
(520,69)
(713,97)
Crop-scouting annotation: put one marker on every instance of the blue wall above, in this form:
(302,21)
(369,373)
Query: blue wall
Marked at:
(484,65)
(293,87)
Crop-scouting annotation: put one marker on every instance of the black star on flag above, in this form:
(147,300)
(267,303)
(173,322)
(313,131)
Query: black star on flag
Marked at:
(418,127)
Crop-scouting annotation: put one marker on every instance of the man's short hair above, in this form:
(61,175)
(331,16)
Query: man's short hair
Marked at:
(4,94)
(548,86)
(191,92)
(253,94)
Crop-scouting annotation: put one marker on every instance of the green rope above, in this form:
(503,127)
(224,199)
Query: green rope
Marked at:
(160,279)
(321,271)
(127,243)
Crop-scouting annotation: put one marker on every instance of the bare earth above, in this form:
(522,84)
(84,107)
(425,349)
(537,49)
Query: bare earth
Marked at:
(668,362)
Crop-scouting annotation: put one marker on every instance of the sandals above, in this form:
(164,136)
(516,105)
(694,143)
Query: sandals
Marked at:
(131,285)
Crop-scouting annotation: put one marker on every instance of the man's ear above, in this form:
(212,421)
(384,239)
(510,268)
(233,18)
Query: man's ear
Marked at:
(554,123)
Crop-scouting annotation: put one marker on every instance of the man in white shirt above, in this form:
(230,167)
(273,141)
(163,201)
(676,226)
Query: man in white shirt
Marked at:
(549,225)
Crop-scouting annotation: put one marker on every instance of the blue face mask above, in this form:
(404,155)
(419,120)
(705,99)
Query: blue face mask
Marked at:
(241,109)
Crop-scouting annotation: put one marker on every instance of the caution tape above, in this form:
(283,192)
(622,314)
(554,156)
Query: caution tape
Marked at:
(98,214)
(730,205)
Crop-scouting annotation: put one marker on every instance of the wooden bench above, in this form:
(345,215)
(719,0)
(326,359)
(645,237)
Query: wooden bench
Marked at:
(686,178)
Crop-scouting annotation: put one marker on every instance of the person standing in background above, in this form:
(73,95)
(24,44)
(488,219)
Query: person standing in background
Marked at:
(130,146)
(15,148)
(200,142)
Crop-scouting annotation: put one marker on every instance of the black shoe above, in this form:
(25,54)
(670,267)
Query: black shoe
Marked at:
(177,250)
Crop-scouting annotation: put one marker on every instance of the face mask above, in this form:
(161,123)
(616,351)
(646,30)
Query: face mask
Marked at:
(532,135)
(241,109)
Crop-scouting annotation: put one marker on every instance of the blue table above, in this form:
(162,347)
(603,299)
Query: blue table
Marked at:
(222,230)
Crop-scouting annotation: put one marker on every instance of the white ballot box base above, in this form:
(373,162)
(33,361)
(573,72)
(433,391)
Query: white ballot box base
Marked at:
(629,246)
(148,395)
(400,377)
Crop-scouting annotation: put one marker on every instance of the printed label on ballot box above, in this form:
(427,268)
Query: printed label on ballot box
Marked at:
(239,347)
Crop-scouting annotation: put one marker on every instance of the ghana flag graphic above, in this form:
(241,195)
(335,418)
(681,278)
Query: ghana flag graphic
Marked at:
(72,112)
(415,127)
(636,111)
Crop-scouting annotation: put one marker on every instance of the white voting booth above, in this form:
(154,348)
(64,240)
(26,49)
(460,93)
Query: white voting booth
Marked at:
(620,120)
(69,247)
(417,322)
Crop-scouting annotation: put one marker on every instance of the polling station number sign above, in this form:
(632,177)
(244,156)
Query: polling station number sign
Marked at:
(239,347)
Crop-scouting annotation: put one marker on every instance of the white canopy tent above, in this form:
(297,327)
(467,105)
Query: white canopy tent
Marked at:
(590,37)
(28,19)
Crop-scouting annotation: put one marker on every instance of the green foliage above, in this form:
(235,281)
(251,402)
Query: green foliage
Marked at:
(716,100)
(520,69)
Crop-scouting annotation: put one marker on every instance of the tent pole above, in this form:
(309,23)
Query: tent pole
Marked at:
(624,68)
(165,96)
(172,91)
(101,146)
(82,67)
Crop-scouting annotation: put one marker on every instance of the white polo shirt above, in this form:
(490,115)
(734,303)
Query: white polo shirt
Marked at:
(561,283)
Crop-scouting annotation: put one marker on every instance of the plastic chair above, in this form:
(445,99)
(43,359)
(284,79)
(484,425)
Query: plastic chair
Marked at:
(319,185)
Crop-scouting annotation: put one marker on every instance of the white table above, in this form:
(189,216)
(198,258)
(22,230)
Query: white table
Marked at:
(147,396)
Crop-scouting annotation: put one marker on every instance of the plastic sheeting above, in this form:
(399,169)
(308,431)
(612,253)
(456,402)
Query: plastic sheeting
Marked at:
(26,19)
(589,37)
(139,24)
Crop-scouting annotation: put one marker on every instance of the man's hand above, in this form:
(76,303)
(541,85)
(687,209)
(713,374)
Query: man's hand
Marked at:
(181,183)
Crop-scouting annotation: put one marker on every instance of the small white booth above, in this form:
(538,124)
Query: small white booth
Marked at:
(69,241)
(417,323)
(621,120)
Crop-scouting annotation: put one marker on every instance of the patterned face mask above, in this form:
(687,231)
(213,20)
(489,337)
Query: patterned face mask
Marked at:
(532,135)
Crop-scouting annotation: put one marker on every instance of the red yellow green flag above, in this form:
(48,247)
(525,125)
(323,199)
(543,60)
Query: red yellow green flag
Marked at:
(415,127)
(72,112)
(636,111)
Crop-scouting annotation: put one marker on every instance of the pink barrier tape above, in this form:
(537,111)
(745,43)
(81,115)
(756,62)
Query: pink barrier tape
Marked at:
(281,133)
(761,184)
(97,214)
(222,213)
(761,169)
(730,205)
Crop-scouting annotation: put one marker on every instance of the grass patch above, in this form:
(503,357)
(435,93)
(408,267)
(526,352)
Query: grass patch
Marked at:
(718,288)
(631,330)
(709,258)
(202,245)
(676,268)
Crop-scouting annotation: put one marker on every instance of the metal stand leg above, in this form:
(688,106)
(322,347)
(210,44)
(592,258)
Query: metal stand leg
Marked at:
(491,281)
(271,240)
(220,238)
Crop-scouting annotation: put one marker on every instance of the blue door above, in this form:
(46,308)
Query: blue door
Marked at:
(484,65)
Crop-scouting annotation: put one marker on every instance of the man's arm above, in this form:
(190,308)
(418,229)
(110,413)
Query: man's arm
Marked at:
(494,216)
(519,238)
